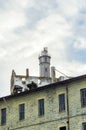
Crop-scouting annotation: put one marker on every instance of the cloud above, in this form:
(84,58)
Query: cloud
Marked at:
(71,8)
(68,8)
(70,68)
(11,20)
(80,44)
(26,26)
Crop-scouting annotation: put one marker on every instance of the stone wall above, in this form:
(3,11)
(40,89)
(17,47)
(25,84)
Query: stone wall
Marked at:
(52,119)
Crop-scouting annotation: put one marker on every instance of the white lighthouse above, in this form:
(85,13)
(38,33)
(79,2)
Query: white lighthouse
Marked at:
(44,63)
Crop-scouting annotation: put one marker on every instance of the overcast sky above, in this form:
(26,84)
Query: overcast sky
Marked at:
(27,26)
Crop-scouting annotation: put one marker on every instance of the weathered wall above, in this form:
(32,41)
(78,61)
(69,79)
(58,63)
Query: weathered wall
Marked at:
(52,119)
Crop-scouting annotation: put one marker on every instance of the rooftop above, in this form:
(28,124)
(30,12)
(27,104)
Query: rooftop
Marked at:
(56,84)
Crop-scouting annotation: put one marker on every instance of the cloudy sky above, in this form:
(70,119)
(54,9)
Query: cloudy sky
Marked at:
(27,26)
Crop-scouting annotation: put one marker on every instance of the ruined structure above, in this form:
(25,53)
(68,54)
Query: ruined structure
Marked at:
(20,83)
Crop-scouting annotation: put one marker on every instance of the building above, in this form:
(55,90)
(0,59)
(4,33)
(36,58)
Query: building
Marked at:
(56,106)
(59,105)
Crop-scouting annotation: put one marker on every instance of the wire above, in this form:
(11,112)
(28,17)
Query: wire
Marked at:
(62,73)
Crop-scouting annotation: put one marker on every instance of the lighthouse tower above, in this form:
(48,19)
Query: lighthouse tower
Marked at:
(44,64)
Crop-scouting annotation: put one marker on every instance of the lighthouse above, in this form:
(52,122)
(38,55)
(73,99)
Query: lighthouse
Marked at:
(44,63)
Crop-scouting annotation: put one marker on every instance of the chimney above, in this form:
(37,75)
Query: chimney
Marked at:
(53,75)
(27,72)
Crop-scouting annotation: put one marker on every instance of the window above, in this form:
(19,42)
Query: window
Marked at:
(45,69)
(62,128)
(45,59)
(84,126)
(83,97)
(61,102)
(41,107)
(3,116)
(21,111)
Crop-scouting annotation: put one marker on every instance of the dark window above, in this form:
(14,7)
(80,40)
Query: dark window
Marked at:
(83,97)
(3,116)
(45,59)
(84,126)
(21,111)
(45,69)
(41,107)
(62,128)
(61,102)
